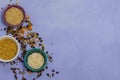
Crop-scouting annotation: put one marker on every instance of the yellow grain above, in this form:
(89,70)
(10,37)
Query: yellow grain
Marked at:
(14,16)
(8,49)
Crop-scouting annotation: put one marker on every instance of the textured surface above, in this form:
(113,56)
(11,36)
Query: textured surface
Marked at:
(85,35)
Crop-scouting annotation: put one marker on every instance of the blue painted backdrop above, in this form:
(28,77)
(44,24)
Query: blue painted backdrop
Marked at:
(85,35)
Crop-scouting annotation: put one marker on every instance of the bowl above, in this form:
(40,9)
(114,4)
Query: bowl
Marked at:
(18,48)
(7,8)
(29,53)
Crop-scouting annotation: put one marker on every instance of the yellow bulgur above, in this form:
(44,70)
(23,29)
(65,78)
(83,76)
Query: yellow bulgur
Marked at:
(8,49)
(14,16)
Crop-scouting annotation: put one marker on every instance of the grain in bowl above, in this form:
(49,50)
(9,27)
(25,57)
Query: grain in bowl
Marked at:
(13,15)
(9,48)
(35,59)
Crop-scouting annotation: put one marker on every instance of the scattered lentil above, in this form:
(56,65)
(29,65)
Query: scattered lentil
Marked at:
(48,74)
(52,74)
(23,78)
(57,72)
(33,78)
(53,70)
(39,74)
(46,67)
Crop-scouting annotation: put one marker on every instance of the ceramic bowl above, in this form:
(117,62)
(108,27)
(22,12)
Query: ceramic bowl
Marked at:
(10,37)
(8,7)
(30,52)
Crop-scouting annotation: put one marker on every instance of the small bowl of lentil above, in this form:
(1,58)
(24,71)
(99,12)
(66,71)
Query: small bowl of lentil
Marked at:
(13,15)
(9,48)
(35,59)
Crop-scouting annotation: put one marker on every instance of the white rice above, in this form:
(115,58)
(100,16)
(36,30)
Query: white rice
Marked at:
(35,60)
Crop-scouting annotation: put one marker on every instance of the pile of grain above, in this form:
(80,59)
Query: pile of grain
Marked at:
(35,60)
(14,16)
(8,49)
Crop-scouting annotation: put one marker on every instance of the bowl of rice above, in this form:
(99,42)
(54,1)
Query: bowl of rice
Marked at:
(9,48)
(13,15)
(35,59)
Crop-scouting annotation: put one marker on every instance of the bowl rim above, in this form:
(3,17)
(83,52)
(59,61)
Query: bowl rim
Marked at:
(32,51)
(7,36)
(8,7)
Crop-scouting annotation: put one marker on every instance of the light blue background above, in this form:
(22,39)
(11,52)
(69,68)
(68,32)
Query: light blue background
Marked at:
(85,36)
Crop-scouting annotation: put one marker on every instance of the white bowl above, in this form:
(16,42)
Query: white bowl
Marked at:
(10,37)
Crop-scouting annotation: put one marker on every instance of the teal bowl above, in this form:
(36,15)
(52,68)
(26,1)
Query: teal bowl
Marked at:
(30,52)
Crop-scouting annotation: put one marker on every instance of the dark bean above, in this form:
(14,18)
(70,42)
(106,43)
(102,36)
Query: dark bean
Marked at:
(19,41)
(18,58)
(52,74)
(19,72)
(39,44)
(33,78)
(23,78)
(46,67)
(5,29)
(8,4)
(39,74)
(15,76)
(46,52)
(53,70)
(12,68)
(57,72)
(48,74)
(14,71)
(37,34)
(50,58)
(41,40)
(13,62)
